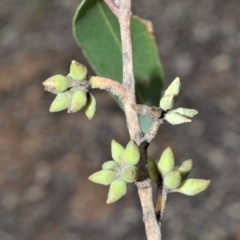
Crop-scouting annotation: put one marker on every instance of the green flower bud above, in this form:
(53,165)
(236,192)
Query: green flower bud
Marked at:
(61,102)
(166,162)
(175,118)
(131,154)
(118,188)
(57,83)
(78,101)
(185,168)
(185,111)
(167,102)
(90,107)
(117,152)
(192,187)
(78,71)
(110,165)
(174,88)
(153,170)
(129,173)
(104,177)
(172,179)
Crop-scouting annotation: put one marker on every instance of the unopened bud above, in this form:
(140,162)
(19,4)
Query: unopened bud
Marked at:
(90,107)
(185,168)
(129,173)
(174,88)
(57,83)
(131,154)
(153,170)
(185,111)
(167,102)
(166,162)
(110,165)
(78,71)
(61,102)
(175,118)
(78,101)
(117,152)
(118,189)
(192,187)
(104,177)
(172,179)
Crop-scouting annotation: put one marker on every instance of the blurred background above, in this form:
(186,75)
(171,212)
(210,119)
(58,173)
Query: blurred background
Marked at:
(45,158)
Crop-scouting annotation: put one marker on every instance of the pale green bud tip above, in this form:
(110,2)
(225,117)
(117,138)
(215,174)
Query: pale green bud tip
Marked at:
(185,168)
(117,189)
(186,112)
(117,152)
(78,71)
(131,153)
(104,177)
(174,88)
(172,180)
(192,187)
(57,84)
(61,102)
(90,107)
(167,102)
(110,165)
(129,174)
(78,101)
(166,162)
(153,170)
(175,118)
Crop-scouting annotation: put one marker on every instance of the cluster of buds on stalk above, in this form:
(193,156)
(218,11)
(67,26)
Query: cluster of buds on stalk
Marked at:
(72,91)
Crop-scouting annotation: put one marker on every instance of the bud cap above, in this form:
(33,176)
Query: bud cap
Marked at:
(192,187)
(131,154)
(172,179)
(110,165)
(57,84)
(153,170)
(78,71)
(118,189)
(129,173)
(117,152)
(61,102)
(167,102)
(104,177)
(166,162)
(175,118)
(78,101)
(174,88)
(185,168)
(90,107)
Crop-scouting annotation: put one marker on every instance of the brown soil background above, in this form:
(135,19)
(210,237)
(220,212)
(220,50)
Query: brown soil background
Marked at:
(45,158)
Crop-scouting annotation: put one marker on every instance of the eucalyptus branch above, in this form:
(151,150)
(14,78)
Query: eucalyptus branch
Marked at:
(130,164)
(144,186)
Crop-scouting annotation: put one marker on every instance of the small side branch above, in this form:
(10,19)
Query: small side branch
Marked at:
(109,85)
(113,7)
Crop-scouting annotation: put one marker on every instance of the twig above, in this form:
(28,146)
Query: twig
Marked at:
(109,85)
(161,202)
(129,99)
(112,6)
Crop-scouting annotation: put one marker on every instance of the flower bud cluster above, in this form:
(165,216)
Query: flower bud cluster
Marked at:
(119,171)
(72,91)
(179,115)
(175,177)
